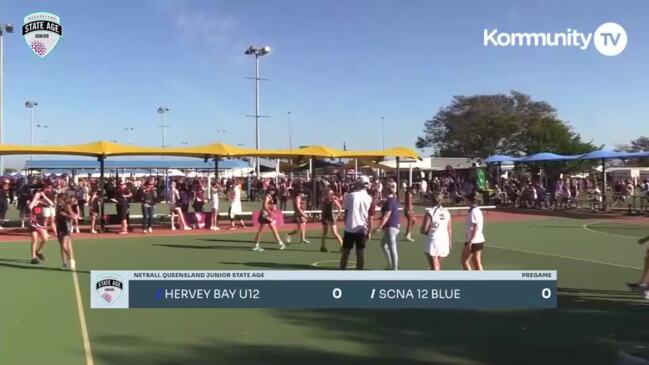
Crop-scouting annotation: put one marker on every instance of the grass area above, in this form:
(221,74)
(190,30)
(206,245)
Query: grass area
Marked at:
(598,316)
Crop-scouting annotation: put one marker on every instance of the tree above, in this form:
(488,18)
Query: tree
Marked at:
(483,125)
(637,145)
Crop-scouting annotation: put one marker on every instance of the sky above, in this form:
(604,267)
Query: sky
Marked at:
(337,66)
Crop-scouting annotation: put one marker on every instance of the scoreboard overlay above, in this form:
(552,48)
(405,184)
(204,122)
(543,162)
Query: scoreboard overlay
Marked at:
(323,289)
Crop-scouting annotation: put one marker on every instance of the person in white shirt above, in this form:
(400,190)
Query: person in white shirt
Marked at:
(471,255)
(438,231)
(357,223)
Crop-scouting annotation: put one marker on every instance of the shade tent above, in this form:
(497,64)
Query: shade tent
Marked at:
(501,159)
(102,149)
(602,155)
(546,156)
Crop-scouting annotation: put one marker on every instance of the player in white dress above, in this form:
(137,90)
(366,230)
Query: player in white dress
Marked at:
(438,231)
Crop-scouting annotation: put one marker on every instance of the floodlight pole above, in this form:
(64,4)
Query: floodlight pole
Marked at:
(31,105)
(290,144)
(102,193)
(383,132)
(9,29)
(257,112)
(257,51)
(398,180)
(163,111)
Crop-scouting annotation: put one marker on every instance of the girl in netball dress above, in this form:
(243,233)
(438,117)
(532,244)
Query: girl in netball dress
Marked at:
(175,209)
(214,202)
(36,228)
(266,219)
(329,218)
(438,231)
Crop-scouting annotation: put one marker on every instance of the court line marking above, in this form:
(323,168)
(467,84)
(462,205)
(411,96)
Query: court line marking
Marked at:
(349,263)
(82,315)
(585,226)
(565,257)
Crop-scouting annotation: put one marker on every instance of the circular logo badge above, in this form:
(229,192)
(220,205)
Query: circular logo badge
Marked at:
(610,39)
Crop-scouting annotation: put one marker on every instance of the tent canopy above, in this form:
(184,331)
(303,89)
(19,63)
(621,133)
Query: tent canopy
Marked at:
(105,149)
(547,156)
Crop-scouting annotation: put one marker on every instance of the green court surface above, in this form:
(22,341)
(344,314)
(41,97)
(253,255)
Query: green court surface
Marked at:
(598,317)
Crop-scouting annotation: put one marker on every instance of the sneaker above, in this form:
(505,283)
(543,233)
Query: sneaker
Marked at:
(150,230)
(65,266)
(72,265)
(323,249)
(40,256)
(646,294)
(173,228)
(188,228)
(633,285)
(78,230)
(282,246)
(122,232)
(35,261)
(409,238)
(216,228)
(257,248)
(93,232)
(145,231)
(306,242)
(288,238)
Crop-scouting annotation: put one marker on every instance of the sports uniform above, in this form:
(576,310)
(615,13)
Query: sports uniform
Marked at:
(437,238)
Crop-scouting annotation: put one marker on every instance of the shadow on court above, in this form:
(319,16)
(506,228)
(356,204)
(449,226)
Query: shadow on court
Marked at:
(27,265)
(274,265)
(268,245)
(583,331)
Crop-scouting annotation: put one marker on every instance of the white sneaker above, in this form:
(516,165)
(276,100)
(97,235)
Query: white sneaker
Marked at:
(93,231)
(78,230)
(150,230)
(257,248)
(282,246)
(288,238)
(409,238)
(646,294)
(306,242)
(216,228)
(173,228)
(72,265)
(188,228)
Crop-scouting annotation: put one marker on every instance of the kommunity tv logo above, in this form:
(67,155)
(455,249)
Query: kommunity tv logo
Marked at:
(610,39)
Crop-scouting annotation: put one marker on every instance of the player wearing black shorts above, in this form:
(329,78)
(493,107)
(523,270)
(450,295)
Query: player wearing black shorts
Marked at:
(357,223)
(329,218)
(63,218)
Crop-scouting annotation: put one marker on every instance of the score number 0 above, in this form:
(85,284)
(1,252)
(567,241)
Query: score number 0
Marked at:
(546,293)
(337,293)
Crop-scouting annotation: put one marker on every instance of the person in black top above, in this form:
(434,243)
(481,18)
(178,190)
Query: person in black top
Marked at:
(63,218)
(122,195)
(198,202)
(148,199)
(4,200)
(329,218)
(93,207)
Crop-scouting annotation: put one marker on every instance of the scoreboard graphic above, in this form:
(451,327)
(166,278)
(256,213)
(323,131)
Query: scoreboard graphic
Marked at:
(324,289)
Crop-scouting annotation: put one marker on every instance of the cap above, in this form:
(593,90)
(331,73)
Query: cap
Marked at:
(363,180)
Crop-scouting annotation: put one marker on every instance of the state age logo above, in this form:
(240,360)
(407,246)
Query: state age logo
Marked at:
(109,287)
(42,32)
